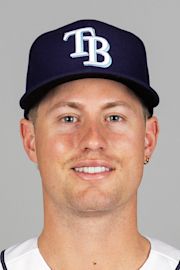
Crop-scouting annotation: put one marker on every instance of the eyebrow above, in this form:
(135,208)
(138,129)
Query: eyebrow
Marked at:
(117,103)
(79,106)
(71,104)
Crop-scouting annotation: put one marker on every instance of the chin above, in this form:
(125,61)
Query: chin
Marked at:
(93,203)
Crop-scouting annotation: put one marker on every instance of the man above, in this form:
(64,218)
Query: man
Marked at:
(89,126)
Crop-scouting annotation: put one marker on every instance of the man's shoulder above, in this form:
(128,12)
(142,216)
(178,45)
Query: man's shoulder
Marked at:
(21,249)
(21,254)
(165,253)
(165,249)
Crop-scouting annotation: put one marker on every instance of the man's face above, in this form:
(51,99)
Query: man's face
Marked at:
(90,140)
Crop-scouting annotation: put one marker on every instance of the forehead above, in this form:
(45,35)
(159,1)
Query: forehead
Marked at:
(87,90)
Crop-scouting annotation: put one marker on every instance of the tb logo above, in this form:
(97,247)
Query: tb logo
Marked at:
(92,40)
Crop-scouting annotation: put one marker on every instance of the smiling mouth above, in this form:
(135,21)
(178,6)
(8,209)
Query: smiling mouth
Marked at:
(92,170)
(93,173)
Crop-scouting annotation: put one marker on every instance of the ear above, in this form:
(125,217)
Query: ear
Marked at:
(28,137)
(151,136)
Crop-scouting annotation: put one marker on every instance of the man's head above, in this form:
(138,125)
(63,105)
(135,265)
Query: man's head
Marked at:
(91,105)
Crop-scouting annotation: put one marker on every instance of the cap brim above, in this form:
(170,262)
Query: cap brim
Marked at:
(143,91)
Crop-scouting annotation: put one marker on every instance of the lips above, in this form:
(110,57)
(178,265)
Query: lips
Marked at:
(93,169)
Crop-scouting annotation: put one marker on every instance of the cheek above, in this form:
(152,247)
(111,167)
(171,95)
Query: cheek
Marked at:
(54,147)
(128,148)
(129,141)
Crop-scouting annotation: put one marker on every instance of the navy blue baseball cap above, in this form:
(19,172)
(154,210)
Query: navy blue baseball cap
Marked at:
(87,49)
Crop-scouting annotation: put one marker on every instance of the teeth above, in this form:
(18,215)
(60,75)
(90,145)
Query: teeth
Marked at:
(92,169)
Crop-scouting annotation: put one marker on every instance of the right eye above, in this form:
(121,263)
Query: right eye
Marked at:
(69,119)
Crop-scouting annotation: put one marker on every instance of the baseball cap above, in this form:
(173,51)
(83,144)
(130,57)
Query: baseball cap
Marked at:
(87,49)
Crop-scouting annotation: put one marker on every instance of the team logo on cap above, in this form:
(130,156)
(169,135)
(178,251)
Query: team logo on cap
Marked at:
(93,52)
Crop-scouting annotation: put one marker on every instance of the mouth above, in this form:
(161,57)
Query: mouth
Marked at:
(93,172)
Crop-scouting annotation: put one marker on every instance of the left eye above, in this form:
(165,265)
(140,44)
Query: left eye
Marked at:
(69,119)
(114,118)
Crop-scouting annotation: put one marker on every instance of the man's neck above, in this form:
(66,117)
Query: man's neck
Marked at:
(106,242)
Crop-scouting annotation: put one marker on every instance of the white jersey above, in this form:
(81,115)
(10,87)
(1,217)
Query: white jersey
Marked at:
(26,256)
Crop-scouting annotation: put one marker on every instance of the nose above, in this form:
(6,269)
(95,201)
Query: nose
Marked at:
(93,138)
